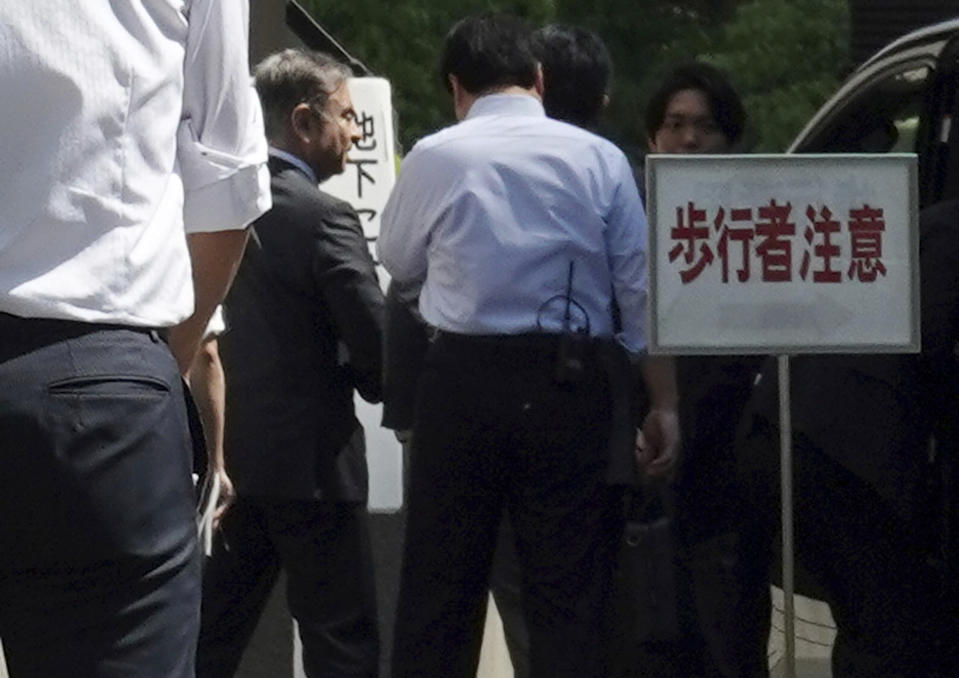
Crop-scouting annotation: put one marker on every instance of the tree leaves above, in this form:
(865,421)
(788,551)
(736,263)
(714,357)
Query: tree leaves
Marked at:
(784,56)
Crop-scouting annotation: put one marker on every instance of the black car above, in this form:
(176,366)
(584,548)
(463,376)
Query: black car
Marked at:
(903,99)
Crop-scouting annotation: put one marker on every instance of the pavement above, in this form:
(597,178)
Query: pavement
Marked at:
(272,651)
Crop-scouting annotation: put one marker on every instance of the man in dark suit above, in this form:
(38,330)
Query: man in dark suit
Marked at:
(696,110)
(863,525)
(305,330)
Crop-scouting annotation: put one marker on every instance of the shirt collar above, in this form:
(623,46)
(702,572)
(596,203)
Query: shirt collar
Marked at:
(297,162)
(506,104)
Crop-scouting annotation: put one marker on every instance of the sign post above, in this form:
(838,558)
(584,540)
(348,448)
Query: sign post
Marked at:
(783,255)
(786,475)
(366,184)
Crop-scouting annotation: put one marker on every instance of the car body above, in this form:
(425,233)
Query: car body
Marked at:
(902,99)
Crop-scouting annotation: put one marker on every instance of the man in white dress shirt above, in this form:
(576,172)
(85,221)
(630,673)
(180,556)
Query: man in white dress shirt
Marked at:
(132,157)
(522,231)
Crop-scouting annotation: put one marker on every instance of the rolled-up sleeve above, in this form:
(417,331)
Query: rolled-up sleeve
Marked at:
(221,147)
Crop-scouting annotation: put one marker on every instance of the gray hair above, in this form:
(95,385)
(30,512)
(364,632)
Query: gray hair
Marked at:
(291,77)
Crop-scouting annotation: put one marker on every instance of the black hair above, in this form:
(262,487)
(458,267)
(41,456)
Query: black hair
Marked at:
(291,77)
(576,73)
(724,103)
(487,51)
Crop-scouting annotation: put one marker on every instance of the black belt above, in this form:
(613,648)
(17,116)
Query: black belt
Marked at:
(515,350)
(601,358)
(539,343)
(19,334)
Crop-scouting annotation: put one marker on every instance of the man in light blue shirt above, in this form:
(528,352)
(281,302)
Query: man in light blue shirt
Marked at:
(524,196)
(522,231)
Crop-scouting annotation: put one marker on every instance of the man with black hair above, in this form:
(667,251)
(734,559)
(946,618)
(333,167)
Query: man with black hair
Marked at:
(577,64)
(695,109)
(860,429)
(518,228)
(576,73)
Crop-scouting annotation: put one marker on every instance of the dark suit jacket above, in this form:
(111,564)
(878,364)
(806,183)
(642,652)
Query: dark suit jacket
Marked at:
(939,368)
(406,342)
(713,391)
(874,413)
(305,317)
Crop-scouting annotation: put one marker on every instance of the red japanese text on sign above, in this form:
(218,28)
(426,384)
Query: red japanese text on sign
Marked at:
(865,238)
(768,233)
(690,229)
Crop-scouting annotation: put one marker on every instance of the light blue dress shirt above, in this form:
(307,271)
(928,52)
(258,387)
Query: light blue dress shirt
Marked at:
(489,213)
(294,160)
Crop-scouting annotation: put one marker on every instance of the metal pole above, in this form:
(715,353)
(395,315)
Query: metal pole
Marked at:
(786,471)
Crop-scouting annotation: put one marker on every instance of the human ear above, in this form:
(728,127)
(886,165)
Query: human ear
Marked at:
(538,83)
(302,122)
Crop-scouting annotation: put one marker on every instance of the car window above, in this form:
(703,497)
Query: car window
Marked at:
(883,118)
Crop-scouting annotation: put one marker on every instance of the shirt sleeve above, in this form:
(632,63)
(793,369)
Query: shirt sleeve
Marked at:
(221,147)
(404,226)
(626,247)
(346,277)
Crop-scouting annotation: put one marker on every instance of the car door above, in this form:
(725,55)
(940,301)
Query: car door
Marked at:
(904,101)
(939,163)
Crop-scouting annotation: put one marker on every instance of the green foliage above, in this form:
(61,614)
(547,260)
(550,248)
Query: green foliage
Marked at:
(644,39)
(784,56)
(401,41)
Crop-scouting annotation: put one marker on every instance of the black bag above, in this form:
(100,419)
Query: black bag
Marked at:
(646,625)
(645,600)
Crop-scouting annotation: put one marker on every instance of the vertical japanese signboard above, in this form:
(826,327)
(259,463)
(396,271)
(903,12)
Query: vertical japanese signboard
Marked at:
(366,184)
(371,165)
(783,254)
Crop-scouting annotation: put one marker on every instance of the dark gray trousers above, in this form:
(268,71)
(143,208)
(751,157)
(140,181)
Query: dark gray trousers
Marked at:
(99,573)
(325,550)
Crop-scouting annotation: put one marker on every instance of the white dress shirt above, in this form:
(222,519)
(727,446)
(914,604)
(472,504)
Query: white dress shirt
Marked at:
(490,212)
(125,125)
(217,324)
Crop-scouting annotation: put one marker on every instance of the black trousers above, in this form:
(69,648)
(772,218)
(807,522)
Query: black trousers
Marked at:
(493,429)
(869,561)
(99,571)
(325,551)
(506,585)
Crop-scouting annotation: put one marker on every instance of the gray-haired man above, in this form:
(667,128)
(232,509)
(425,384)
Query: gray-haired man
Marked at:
(305,327)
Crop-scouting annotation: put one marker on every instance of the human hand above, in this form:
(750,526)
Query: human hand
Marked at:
(225,496)
(657,443)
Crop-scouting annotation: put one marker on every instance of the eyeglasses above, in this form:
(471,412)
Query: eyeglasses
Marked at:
(346,117)
(678,124)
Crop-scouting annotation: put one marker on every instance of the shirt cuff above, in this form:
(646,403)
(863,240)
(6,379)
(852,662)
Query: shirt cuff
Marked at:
(217,324)
(230,203)
(634,345)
